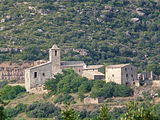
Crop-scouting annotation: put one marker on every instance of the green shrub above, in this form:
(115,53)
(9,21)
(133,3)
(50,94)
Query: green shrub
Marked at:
(11,92)
(42,110)
(13,112)
(110,89)
(3,83)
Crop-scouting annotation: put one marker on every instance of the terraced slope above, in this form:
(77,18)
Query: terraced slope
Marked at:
(111,31)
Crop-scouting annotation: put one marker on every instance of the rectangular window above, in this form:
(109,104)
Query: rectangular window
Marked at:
(126,75)
(35,74)
(55,52)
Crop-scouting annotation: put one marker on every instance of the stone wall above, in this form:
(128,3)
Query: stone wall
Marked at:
(113,75)
(36,76)
(15,71)
(129,75)
(90,100)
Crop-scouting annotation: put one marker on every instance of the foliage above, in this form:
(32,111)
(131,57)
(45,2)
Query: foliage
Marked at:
(104,113)
(147,96)
(3,83)
(13,112)
(64,98)
(117,112)
(2,114)
(42,110)
(158,92)
(68,82)
(102,27)
(122,91)
(69,114)
(156,110)
(85,87)
(107,90)
(11,92)
(154,67)
(137,111)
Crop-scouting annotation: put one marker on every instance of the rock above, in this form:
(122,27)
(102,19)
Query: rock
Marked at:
(3,20)
(139,9)
(40,30)
(31,8)
(2,28)
(8,17)
(25,3)
(108,7)
(134,20)
(140,13)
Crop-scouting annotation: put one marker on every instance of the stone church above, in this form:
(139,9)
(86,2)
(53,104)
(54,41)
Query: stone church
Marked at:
(37,75)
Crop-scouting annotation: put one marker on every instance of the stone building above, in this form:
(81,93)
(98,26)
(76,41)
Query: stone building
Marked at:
(15,71)
(37,75)
(147,76)
(121,74)
(92,72)
(89,100)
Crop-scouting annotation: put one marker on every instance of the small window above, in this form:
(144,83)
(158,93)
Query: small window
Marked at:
(43,74)
(125,69)
(55,52)
(35,74)
(113,75)
(126,75)
(132,75)
(131,68)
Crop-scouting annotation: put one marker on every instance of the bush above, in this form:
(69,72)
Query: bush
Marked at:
(13,112)
(9,92)
(3,83)
(122,91)
(68,82)
(42,110)
(110,89)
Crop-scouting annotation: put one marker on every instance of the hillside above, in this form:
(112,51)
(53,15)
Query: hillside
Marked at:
(111,31)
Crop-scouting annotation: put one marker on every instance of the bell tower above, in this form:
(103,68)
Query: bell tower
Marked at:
(54,57)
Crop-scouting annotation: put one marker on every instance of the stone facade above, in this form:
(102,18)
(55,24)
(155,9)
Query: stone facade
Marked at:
(121,74)
(37,75)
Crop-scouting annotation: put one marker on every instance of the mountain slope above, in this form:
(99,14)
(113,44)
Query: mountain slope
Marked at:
(111,31)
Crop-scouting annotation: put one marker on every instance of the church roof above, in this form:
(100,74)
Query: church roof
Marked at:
(54,47)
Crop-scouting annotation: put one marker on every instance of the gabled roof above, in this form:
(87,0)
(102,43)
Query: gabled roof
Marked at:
(117,66)
(55,47)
